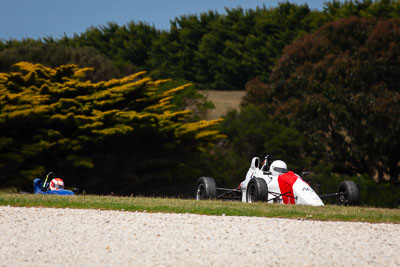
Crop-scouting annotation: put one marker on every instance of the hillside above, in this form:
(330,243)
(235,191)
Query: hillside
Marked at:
(223,101)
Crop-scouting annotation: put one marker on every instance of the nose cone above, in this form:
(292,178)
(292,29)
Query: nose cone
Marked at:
(305,194)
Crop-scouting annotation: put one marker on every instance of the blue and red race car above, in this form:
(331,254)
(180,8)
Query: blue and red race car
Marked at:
(54,187)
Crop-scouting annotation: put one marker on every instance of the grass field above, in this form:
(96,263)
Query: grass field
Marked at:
(228,208)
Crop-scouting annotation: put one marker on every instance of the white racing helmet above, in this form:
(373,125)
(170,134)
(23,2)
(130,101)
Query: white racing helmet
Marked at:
(278,167)
(56,184)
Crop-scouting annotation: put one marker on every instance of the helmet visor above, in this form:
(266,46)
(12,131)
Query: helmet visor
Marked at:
(280,170)
(58,186)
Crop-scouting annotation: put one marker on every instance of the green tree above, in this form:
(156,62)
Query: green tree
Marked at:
(128,46)
(225,51)
(118,135)
(364,8)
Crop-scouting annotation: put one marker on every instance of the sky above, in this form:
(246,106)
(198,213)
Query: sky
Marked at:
(54,18)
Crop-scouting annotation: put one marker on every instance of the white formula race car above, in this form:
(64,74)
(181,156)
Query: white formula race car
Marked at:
(273,183)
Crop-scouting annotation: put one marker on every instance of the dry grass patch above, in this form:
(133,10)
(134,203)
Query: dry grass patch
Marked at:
(223,101)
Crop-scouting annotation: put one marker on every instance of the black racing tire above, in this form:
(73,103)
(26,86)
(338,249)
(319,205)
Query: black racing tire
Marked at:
(257,190)
(348,194)
(206,188)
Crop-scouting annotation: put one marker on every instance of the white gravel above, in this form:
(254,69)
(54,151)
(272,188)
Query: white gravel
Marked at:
(72,237)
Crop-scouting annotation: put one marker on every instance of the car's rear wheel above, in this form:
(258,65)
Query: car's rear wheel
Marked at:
(348,194)
(206,188)
(257,190)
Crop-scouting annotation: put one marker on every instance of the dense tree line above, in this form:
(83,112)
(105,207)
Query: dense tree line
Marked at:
(108,136)
(216,51)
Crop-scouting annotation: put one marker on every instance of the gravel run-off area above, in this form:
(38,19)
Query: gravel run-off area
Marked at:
(77,237)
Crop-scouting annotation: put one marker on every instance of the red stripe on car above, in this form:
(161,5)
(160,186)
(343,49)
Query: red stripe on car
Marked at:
(286,182)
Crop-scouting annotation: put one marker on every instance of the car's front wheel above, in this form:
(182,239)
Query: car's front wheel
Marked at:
(257,190)
(348,194)
(206,188)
